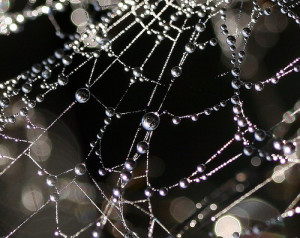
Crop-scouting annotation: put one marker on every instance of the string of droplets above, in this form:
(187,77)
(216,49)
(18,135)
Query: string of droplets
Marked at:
(150,120)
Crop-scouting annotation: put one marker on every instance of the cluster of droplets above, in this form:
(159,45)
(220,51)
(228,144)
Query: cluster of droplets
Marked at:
(25,82)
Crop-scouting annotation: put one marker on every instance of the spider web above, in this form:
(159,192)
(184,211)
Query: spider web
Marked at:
(142,53)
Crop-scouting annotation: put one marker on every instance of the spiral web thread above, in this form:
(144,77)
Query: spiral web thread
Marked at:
(106,35)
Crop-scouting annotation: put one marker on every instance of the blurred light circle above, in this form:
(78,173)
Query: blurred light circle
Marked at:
(4,5)
(41,149)
(241,177)
(278,174)
(289,117)
(181,208)
(32,198)
(79,17)
(227,225)
(256,161)
(240,188)
(213,207)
